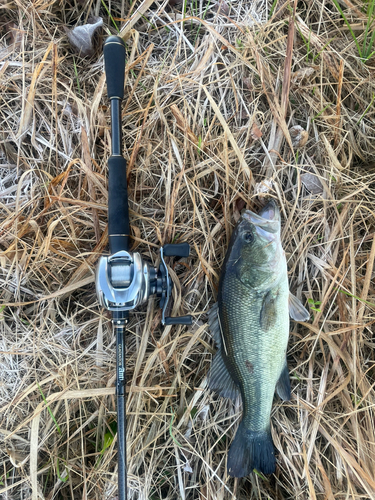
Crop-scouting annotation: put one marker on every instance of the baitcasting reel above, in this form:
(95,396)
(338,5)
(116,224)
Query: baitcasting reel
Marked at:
(124,281)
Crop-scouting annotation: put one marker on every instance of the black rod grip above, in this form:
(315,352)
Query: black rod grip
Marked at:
(114,62)
(118,210)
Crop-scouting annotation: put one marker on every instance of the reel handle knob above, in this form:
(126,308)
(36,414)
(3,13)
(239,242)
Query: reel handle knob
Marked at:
(176,250)
(179,320)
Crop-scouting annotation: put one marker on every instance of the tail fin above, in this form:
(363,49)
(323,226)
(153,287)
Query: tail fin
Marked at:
(251,450)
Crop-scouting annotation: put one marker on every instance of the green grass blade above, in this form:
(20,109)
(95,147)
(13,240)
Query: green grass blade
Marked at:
(108,440)
(371,304)
(49,409)
(272,8)
(110,15)
(366,110)
(171,432)
(76,73)
(369,48)
(320,112)
(348,25)
(260,475)
(370,19)
(308,47)
(63,479)
(326,45)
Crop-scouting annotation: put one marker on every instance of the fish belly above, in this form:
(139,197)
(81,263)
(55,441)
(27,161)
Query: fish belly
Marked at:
(255,344)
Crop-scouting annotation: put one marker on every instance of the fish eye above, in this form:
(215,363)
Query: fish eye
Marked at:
(248,236)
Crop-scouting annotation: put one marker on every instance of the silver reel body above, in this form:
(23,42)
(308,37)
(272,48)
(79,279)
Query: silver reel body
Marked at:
(125,281)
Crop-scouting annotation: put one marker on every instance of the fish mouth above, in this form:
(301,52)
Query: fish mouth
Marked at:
(268,218)
(270,211)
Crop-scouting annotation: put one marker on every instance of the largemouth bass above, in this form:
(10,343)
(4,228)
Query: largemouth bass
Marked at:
(250,325)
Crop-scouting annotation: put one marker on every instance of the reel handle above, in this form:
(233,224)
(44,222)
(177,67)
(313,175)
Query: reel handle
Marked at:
(176,250)
(171,250)
(118,210)
(178,320)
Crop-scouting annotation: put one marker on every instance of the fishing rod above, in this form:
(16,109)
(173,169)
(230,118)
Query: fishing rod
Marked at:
(124,280)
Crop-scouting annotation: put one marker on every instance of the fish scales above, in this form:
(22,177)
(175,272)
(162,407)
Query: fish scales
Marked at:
(250,324)
(250,364)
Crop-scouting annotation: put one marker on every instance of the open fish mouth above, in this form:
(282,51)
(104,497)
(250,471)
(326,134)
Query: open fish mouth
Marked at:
(268,219)
(270,211)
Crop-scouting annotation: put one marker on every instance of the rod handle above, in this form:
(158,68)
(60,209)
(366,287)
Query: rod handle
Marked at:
(118,210)
(114,62)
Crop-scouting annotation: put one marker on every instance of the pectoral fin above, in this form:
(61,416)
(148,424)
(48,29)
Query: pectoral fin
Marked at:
(268,312)
(283,384)
(296,310)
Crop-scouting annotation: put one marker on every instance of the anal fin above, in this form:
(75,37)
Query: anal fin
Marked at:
(283,384)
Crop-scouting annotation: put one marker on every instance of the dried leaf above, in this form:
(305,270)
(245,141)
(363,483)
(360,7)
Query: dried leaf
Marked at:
(187,467)
(299,136)
(299,76)
(81,37)
(183,125)
(248,83)
(238,205)
(264,187)
(13,34)
(255,132)
(29,107)
(312,183)
(222,7)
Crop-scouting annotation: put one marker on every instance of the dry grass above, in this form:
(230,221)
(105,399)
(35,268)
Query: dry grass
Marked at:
(205,122)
